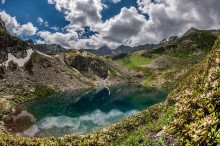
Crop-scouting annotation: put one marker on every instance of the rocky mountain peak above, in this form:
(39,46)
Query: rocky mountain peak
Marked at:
(191,30)
(50,49)
(104,48)
(169,40)
(11,45)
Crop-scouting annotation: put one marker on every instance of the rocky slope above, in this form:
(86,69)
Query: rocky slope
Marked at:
(10,45)
(26,73)
(52,49)
(197,101)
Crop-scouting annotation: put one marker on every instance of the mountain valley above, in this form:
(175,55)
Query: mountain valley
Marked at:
(187,67)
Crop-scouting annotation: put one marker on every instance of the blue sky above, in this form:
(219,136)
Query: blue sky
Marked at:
(30,10)
(93,23)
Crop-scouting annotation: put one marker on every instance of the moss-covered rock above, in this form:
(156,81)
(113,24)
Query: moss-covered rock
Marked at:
(42,90)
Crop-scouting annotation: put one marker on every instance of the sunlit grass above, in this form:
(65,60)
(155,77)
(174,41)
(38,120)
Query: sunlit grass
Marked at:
(134,61)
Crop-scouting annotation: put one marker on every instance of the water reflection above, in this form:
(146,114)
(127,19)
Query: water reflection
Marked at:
(82,111)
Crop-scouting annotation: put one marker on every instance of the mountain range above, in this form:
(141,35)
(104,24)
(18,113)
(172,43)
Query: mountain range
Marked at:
(50,49)
(187,65)
(105,50)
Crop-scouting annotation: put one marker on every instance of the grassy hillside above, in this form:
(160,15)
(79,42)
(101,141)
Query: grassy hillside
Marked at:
(135,60)
(197,104)
(171,62)
(190,116)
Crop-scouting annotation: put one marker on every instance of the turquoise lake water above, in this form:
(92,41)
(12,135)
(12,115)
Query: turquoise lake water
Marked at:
(82,111)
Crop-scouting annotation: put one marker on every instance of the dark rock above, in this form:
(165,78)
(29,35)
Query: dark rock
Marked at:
(88,66)
(30,42)
(11,44)
(50,49)
(2,72)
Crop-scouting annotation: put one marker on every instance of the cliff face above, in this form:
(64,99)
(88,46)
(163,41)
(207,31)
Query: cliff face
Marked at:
(88,66)
(11,44)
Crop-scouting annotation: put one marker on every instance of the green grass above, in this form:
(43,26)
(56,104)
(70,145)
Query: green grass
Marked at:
(134,61)
(179,53)
(41,91)
(145,135)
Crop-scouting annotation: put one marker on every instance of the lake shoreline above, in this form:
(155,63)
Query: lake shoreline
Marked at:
(10,108)
(32,100)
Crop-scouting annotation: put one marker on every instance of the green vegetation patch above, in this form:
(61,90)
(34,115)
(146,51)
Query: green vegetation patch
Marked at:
(147,135)
(134,61)
(198,104)
(41,91)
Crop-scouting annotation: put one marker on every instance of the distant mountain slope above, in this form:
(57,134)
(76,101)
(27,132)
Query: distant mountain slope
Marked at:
(105,51)
(50,49)
(102,51)
(128,49)
(192,41)
(172,59)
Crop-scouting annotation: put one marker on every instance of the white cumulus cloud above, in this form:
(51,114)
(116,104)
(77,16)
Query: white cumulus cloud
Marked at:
(16,28)
(79,13)
(64,39)
(175,17)
(130,27)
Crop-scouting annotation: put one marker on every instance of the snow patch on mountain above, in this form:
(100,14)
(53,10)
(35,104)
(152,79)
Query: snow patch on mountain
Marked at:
(19,61)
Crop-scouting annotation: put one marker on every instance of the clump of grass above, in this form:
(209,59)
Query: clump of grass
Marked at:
(42,90)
